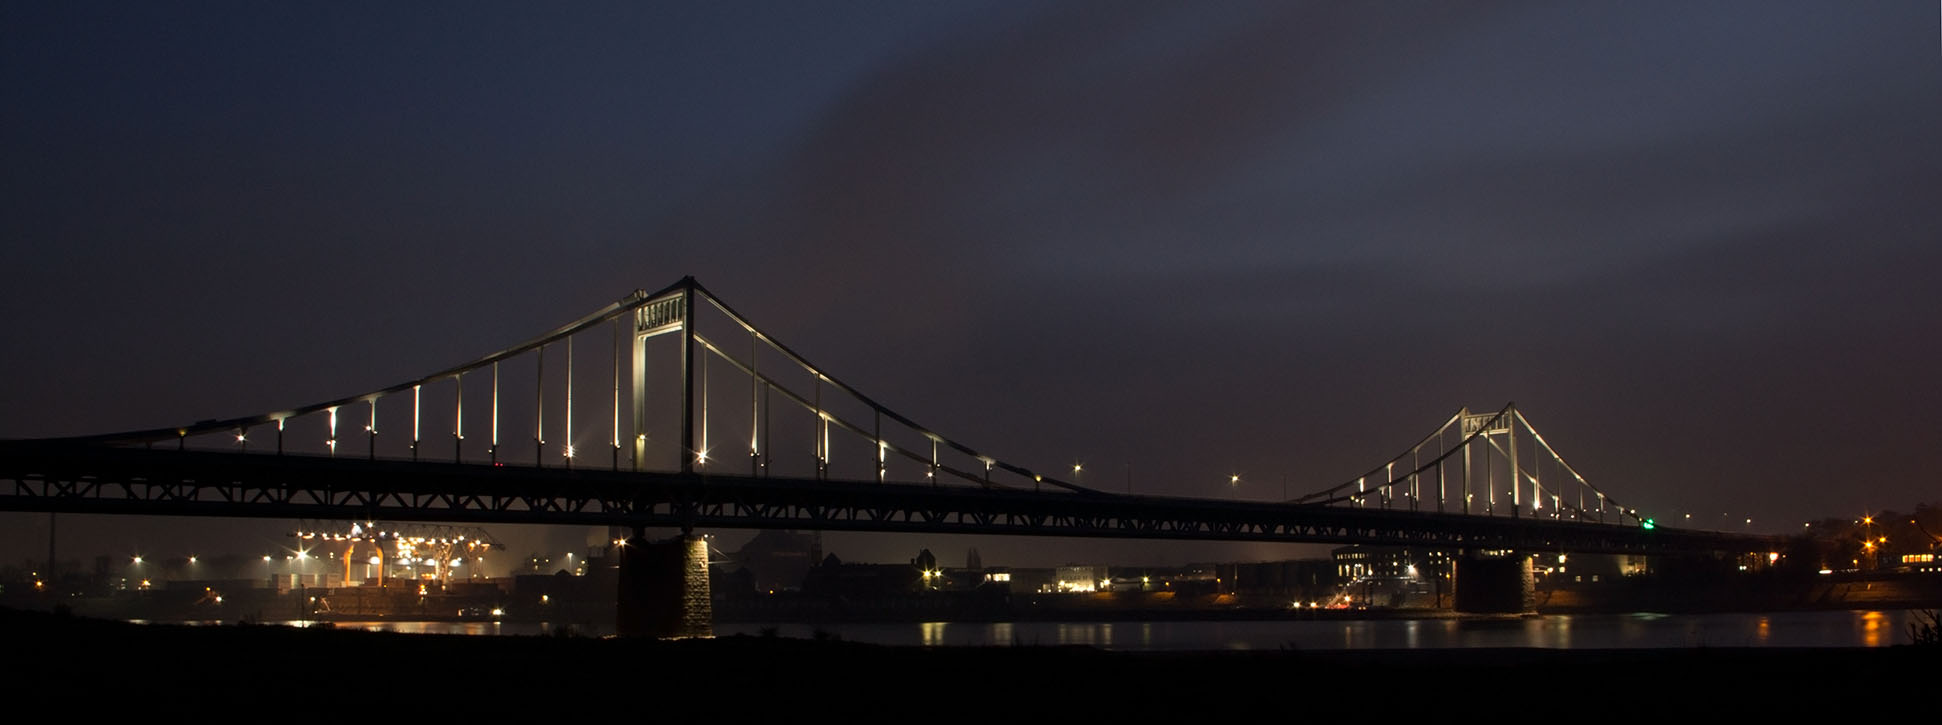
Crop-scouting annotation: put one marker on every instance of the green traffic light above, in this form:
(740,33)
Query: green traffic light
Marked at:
(1647,524)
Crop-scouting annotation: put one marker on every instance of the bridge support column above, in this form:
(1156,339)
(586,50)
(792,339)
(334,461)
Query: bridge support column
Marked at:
(1495,583)
(663,588)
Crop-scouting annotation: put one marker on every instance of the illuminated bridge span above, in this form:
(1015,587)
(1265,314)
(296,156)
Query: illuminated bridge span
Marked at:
(694,417)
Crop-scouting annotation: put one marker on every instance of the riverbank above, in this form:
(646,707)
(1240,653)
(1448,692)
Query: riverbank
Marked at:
(154,668)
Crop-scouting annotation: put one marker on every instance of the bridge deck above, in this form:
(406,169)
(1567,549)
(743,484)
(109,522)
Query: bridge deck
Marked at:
(41,476)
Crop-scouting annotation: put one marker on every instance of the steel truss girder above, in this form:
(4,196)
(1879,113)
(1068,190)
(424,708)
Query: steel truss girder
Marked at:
(85,479)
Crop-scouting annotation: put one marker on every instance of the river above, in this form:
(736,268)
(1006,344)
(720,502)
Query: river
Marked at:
(1863,628)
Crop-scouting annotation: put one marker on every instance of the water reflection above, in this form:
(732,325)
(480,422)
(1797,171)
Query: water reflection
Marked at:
(1001,634)
(1871,625)
(426,627)
(1590,631)
(1088,634)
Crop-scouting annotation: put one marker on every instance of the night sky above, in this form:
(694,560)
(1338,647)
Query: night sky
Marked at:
(1695,242)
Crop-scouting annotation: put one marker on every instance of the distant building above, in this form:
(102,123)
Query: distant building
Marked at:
(779,560)
(994,577)
(1301,579)
(1588,568)
(1392,562)
(833,578)
(1081,579)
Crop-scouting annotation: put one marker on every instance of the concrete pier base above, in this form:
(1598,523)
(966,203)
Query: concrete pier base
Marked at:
(663,589)
(1495,584)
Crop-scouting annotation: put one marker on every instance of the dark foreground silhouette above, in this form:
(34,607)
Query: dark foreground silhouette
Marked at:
(80,665)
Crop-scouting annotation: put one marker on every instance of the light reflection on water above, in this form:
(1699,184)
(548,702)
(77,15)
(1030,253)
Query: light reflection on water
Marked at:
(1090,634)
(933,633)
(409,627)
(1583,631)
(429,627)
(1588,631)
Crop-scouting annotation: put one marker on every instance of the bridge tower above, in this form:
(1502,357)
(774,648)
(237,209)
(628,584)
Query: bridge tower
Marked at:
(669,314)
(663,588)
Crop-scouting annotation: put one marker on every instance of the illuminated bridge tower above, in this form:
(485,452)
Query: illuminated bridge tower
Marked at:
(664,315)
(1490,581)
(663,587)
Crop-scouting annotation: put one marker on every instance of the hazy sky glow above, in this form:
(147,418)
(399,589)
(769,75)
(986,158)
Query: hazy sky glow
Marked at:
(1696,242)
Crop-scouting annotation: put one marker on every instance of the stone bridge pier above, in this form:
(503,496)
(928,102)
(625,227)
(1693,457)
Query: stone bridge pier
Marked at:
(1495,582)
(663,588)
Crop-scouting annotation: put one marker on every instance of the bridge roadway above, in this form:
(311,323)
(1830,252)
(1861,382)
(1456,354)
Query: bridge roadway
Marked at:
(73,478)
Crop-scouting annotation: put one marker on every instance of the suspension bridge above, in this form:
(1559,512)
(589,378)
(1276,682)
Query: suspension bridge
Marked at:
(704,420)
